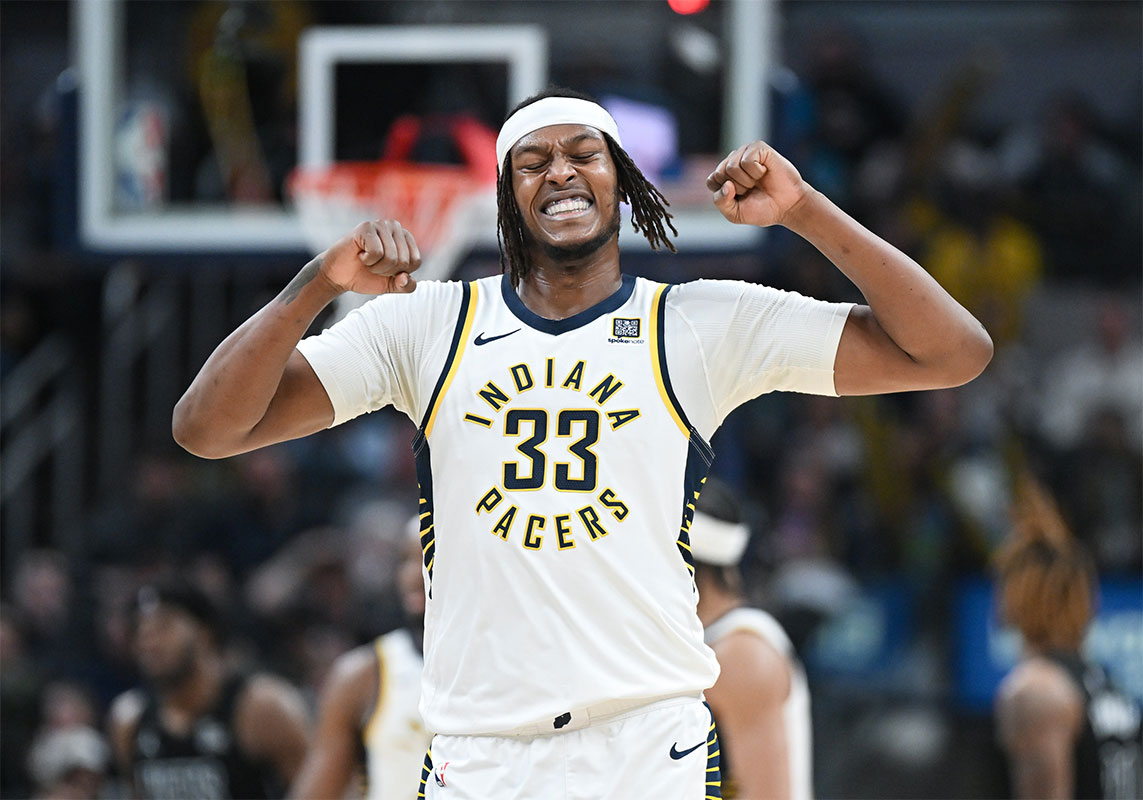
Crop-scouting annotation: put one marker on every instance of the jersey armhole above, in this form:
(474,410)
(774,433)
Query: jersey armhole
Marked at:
(456,350)
(659,360)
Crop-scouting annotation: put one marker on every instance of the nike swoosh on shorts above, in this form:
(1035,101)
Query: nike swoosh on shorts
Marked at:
(676,754)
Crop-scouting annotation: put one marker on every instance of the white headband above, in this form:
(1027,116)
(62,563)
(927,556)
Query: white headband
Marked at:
(714,541)
(552,111)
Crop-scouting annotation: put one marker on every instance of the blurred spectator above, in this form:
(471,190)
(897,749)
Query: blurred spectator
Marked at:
(985,256)
(67,704)
(303,598)
(43,597)
(20,686)
(1101,482)
(200,729)
(1077,190)
(69,764)
(262,514)
(853,112)
(1104,373)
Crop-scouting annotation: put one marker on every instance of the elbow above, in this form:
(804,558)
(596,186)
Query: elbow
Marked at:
(191,434)
(974,354)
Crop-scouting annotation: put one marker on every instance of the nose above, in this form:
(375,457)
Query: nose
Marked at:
(560,171)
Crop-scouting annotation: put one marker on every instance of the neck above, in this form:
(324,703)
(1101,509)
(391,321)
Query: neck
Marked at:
(1046,648)
(713,603)
(198,692)
(561,289)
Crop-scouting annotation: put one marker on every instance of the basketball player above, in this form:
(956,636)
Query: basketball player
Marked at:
(760,701)
(564,411)
(198,730)
(369,715)
(1066,731)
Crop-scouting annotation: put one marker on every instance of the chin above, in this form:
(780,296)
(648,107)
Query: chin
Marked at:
(579,250)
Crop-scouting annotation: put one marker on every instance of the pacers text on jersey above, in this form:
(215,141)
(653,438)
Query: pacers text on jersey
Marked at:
(537,467)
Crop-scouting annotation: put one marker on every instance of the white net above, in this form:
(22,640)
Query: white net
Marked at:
(444,207)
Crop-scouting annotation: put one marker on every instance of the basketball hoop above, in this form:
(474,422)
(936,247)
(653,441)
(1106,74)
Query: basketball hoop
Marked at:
(429,200)
(442,205)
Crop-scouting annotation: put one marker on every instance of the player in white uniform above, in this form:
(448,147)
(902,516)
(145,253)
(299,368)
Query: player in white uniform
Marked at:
(369,716)
(564,411)
(761,701)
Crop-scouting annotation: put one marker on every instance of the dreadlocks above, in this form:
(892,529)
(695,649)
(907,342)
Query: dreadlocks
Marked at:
(649,214)
(1046,576)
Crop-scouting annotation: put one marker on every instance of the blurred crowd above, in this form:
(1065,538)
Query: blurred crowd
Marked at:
(1035,228)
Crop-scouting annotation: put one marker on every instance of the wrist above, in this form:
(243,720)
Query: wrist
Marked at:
(312,286)
(326,288)
(800,217)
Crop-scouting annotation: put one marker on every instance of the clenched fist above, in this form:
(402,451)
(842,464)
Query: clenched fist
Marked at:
(376,258)
(756,185)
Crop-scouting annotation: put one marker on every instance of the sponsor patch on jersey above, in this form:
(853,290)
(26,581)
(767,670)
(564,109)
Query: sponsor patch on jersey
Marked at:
(625,330)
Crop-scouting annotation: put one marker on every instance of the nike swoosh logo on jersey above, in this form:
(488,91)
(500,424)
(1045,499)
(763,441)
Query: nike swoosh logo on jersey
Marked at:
(676,754)
(479,340)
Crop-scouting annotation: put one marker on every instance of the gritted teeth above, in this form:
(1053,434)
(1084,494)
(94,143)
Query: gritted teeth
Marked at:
(570,205)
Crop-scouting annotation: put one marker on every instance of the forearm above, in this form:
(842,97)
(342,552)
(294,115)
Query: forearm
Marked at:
(912,309)
(234,390)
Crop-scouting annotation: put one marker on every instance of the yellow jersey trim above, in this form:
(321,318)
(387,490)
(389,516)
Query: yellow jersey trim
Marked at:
(656,334)
(465,330)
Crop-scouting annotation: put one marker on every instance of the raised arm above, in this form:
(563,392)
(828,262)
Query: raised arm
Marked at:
(256,389)
(912,334)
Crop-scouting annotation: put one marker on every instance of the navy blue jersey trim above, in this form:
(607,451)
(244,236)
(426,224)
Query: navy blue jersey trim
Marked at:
(465,299)
(661,318)
(423,460)
(558,326)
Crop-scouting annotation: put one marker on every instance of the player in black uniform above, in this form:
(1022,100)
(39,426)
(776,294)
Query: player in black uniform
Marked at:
(1067,732)
(198,730)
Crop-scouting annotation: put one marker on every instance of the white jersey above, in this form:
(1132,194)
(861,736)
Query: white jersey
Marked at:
(558,462)
(796,709)
(395,738)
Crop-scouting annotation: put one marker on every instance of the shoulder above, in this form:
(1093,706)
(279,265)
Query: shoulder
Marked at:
(1035,694)
(353,676)
(127,709)
(683,295)
(753,667)
(265,688)
(123,719)
(722,300)
(267,700)
(443,295)
(754,621)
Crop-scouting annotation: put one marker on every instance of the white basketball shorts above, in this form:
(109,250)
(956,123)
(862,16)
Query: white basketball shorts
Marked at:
(666,750)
